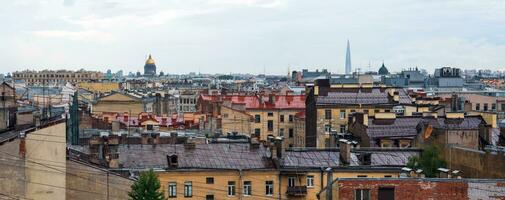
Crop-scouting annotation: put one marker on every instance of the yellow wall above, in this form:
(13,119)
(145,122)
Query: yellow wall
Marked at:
(135,108)
(99,87)
(46,146)
(220,187)
(233,120)
(244,122)
(258,179)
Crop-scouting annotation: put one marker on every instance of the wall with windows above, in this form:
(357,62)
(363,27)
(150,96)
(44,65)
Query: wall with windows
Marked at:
(219,184)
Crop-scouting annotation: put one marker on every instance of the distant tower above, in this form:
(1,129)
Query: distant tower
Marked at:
(348,68)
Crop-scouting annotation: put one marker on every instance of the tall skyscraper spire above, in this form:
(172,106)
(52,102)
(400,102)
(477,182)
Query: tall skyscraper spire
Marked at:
(348,68)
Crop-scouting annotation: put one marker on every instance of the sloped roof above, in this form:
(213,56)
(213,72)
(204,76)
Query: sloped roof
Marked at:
(204,156)
(253,101)
(362,96)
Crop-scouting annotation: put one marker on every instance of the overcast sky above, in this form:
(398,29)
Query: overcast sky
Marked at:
(252,36)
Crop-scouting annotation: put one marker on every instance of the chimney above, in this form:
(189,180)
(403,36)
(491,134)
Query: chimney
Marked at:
(345,151)
(271,98)
(156,137)
(189,145)
(125,116)
(280,148)
(260,99)
(22,145)
(115,126)
(255,144)
(144,138)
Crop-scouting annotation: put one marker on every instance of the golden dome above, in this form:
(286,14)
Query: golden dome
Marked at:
(150,60)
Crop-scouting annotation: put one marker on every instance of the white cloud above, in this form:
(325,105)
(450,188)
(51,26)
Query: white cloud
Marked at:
(88,35)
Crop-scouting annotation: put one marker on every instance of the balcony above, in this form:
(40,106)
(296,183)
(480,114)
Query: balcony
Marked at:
(297,191)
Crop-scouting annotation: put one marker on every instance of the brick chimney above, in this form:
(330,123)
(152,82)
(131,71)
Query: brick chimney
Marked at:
(22,145)
(125,117)
(271,98)
(345,151)
(144,138)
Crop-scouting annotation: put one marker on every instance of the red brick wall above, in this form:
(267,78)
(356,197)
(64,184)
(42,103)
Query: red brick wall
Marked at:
(406,188)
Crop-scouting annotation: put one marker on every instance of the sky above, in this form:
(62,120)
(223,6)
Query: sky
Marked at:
(251,36)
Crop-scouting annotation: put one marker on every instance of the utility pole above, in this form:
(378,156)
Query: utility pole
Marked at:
(329,183)
(107,184)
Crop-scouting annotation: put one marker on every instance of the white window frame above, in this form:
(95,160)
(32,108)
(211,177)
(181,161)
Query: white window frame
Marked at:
(231,188)
(291,181)
(188,189)
(172,189)
(269,188)
(310,181)
(247,188)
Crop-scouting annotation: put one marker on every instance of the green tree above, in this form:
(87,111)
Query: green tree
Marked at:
(147,187)
(429,161)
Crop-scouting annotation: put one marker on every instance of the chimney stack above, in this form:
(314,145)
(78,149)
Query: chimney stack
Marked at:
(345,151)
(22,145)
(271,98)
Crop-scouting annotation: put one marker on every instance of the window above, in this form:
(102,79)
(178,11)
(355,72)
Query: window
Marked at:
(365,111)
(485,106)
(386,193)
(281,132)
(493,106)
(247,188)
(257,132)
(281,118)
(290,118)
(225,115)
(362,194)
(362,176)
(503,107)
(257,118)
(376,111)
(387,176)
(188,189)
(477,106)
(291,133)
(342,128)
(327,127)
(269,188)
(270,114)
(209,180)
(209,197)
(291,181)
(327,114)
(353,111)
(310,181)
(231,188)
(387,110)
(342,114)
(172,190)
(270,125)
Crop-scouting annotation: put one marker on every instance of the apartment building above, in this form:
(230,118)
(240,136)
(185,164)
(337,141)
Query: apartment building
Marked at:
(8,106)
(51,77)
(329,106)
(255,115)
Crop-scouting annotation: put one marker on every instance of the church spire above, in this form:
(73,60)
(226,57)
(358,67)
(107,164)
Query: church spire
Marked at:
(348,66)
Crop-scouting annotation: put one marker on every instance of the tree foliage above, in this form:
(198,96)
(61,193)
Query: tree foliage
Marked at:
(147,187)
(429,161)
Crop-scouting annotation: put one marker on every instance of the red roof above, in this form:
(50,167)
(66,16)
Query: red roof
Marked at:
(253,101)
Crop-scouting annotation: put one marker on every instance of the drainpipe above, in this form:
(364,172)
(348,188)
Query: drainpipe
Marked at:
(239,188)
(280,185)
(329,192)
(321,178)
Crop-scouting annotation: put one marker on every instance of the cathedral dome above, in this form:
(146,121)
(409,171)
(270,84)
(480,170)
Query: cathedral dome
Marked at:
(150,67)
(383,70)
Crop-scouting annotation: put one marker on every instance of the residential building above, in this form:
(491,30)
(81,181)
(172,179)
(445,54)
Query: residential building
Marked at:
(257,116)
(118,102)
(8,106)
(51,77)
(329,106)
(414,189)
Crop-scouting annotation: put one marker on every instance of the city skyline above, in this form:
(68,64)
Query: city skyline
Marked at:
(258,35)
